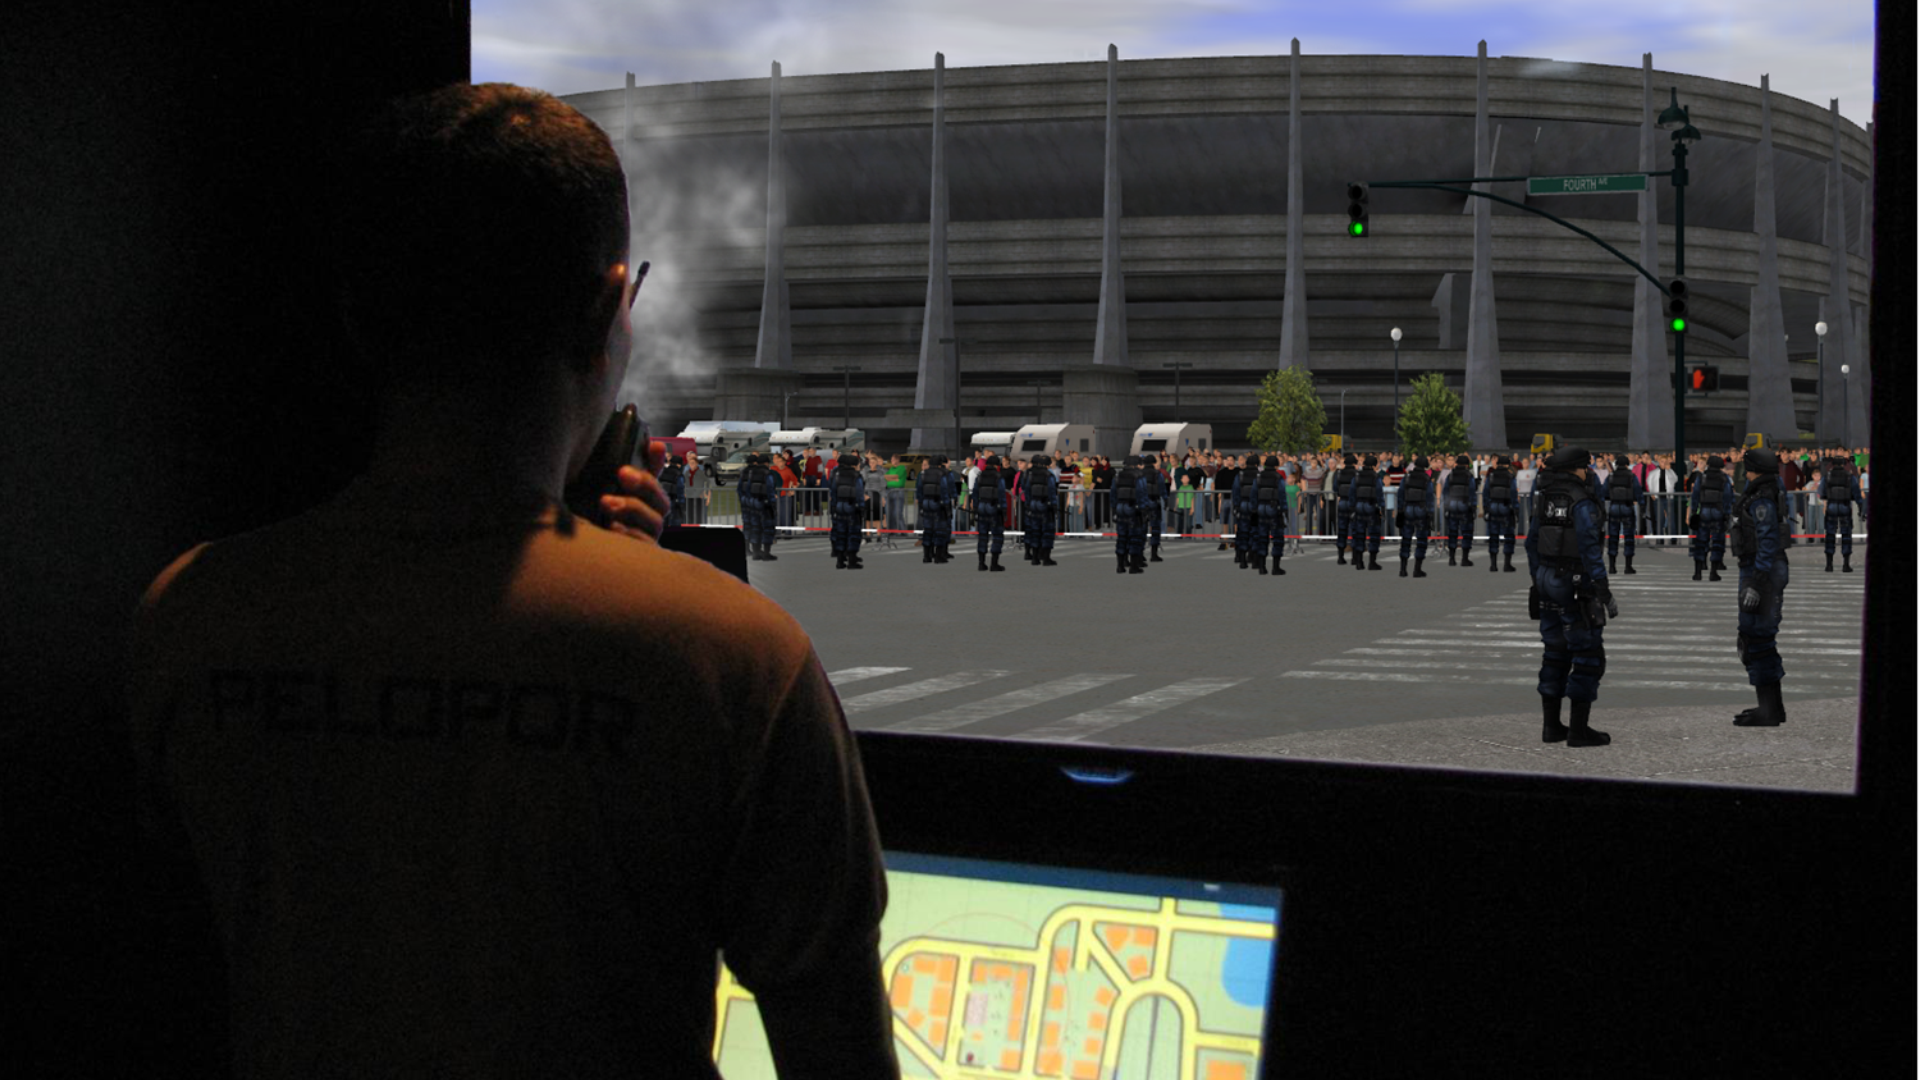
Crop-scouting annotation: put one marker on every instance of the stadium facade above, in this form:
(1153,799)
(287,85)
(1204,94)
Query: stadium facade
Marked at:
(1077,228)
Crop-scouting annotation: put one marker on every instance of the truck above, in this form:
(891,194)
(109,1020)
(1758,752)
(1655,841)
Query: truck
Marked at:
(1174,438)
(1544,444)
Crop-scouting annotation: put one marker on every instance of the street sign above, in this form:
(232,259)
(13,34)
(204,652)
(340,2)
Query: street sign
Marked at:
(1599,184)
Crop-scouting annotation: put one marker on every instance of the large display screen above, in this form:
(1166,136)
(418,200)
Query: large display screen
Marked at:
(1000,969)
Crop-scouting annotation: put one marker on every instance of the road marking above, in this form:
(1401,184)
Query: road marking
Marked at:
(1639,667)
(1455,645)
(855,674)
(1001,704)
(1083,725)
(1611,623)
(880,699)
(1616,684)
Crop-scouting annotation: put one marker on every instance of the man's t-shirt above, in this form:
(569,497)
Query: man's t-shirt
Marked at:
(486,793)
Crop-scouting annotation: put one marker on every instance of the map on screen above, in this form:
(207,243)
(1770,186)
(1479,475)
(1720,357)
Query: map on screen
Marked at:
(1013,970)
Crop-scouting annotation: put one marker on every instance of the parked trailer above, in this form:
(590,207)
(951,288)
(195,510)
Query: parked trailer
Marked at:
(1171,438)
(991,442)
(1052,439)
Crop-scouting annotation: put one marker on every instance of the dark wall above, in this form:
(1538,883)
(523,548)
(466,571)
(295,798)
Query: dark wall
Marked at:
(170,375)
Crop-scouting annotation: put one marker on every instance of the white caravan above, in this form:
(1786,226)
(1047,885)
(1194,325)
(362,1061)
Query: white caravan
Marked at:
(1171,438)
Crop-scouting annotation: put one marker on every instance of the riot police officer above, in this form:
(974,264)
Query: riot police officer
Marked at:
(1367,497)
(1041,493)
(1154,507)
(1570,595)
(1712,497)
(1129,523)
(758,486)
(1414,516)
(1501,510)
(1625,499)
(989,507)
(1841,489)
(1246,513)
(1759,546)
(849,494)
(1270,510)
(934,494)
(1343,508)
(673,479)
(1459,490)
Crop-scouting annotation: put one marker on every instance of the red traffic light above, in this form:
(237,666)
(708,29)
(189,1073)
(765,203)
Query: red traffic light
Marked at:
(1704,379)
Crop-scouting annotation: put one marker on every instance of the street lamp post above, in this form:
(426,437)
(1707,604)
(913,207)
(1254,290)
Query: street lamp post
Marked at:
(1846,437)
(1395,334)
(1176,366)
(1820,394)
(1676,119)
(957,444)
(846,400)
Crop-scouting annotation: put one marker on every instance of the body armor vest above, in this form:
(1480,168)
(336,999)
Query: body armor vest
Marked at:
(1837,489)
(1620,487)
(987,491)
(1459,486)
(1413,490)
(1742,537)
(1039,485)
(758,486)
(1341,481)
(1267,489)
(930,484)
(1123,488)
(1366,486)
(1156,488)
(1713,491)
(1500,486)
(671,475)
(843,484)
(1553,520)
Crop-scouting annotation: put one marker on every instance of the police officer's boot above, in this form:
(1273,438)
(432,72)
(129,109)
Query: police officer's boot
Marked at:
(1630,568)
(1713,571)
(996,562)
(1359,561)
(1342,560)
(1829,562)
(1493,563)
(1138,565)
(926,551)
(1276,565)
(1613,564)
(1551,729)
(853,562)
(1509,567)
(1453,557)
(1846,563)
(1373,560)
(766,553)
(1240,559)
(1699,567)
(1466,558)
(1417,572)
(1260,564)
(1579,734)
(1403,566)
(1122,567)
(839,560)
(1046,557)
(1156,554)
(983,560)
(1771,712)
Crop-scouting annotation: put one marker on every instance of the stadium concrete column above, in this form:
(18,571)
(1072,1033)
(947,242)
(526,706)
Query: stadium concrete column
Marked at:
(1836,308)
(936,388)
(1650,381)
(775,349)
(1105,394)
(1769,387)
(1293,304)
(1485,405)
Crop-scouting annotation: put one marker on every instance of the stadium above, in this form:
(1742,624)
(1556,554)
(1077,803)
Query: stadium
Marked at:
(833,332)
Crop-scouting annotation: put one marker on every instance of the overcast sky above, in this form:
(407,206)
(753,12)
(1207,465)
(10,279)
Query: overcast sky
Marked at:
(1813,51)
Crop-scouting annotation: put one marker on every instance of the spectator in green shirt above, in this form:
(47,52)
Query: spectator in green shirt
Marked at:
(896,494)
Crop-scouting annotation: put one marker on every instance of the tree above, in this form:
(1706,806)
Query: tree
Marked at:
(1291,416)
(1430,421)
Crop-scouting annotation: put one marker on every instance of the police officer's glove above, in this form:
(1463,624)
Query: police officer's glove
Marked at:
(1400,521)
(1533,601)
(1604,594)
(1749,599)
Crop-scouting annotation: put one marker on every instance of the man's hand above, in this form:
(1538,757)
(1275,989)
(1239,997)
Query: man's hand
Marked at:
(643,510)
(1605,596)
(1749,599)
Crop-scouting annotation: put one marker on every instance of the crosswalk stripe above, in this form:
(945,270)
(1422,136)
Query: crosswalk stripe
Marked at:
(986,708)
(1083,725)
(1476,645)
(880,699)
(855,674)
(1611,632)
(1614,684)
(1639,667)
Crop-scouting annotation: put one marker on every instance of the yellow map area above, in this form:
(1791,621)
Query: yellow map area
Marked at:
(966,1009)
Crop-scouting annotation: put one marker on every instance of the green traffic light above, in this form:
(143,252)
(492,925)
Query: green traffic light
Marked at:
(1679,326)
(1357,228)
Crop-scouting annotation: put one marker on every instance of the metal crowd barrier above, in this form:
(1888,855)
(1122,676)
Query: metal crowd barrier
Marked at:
(1085,514)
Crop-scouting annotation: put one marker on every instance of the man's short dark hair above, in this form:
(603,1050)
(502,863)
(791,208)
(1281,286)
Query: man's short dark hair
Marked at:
(476,228)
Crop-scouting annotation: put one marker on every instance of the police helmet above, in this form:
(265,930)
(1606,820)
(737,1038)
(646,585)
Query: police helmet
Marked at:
(1621,461)
(1569,458)
(1042,460)
(993,461)
(1272,462)
(1148,459)
(1351,460)
(1714,461)
(1371,461)
(1762,460)
(1462,461)
(1420,462)
(1504,461)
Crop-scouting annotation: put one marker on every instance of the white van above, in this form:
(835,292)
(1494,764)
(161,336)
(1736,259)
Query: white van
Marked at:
(1171,438)
(1052,440)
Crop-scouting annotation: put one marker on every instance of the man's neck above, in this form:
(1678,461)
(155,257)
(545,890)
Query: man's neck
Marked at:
(459,445)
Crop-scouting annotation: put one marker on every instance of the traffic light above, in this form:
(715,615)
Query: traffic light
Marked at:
(1704,379)
(1357,209)
(1677,305)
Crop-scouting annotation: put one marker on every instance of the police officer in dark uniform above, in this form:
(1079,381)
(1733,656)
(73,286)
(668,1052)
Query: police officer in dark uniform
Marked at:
(849,494)
(1501,510)
(1246,514)
(1712,498)
(1154,509)
(989,506)
(1343,508)
(1759,545)
(1414,516)
(934,494)
(758,485)
(1570,595)
(1129,524)
(673,479)
(1841,489)
(1270,505)
(1367,497)
(1459,489)
(1625,499)
(1041,494)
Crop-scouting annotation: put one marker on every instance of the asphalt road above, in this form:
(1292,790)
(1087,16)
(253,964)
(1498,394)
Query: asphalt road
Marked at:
(1196,652)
